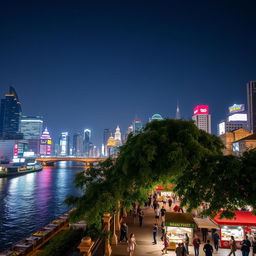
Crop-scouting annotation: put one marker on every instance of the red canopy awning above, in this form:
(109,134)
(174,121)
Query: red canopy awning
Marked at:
(159,187)
(240,219)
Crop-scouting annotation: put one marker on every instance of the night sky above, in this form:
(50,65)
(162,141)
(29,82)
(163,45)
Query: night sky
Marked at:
(96,64)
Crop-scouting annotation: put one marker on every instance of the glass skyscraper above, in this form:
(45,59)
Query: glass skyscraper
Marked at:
(10,114)
(31,127)
(87,139)
(64,144)
(78,144)
(251,104)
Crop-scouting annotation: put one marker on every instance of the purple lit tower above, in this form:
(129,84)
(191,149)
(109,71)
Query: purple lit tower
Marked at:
(45,143)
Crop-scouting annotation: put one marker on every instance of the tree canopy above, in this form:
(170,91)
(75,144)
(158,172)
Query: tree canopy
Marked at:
(167,151)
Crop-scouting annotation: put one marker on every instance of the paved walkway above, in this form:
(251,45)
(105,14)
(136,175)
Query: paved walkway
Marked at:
(144,238)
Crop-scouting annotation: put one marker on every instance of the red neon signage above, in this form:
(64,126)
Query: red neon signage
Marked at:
(201,109)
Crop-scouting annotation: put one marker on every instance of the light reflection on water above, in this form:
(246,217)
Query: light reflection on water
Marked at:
(30,201)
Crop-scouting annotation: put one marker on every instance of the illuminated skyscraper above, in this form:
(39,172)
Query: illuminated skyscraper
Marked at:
(106,135)
(87,139)
(78,144)
(118,139)
(64,144)
(31,127)
(137,126)
(45,144)
(202,118)
(10,114)
(177,112)
(251,102)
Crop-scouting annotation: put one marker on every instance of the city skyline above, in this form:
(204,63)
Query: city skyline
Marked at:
(79,68)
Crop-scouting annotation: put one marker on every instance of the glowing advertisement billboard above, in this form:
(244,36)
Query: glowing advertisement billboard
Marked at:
(238,117)
(201,110)
(236,108)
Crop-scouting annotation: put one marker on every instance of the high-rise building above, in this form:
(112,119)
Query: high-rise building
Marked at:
(31,127)
(137,125)
(10,114)
(106,135)
(87,139)
(251,105)
(177,117)
(78,144)
(237,119)
(202,118)
(64,144)
(45,143)
(118,139)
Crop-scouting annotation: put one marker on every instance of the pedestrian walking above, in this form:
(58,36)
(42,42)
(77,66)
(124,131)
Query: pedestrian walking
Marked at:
(163,232)
(245,246)
(163,212)
(141,216)
(186,243)
(208,249)
(232,246)
(204,234)
(216,240)
(131,244)
(134,215)
(183,250)
(196,243)
(166,244)
(157,214)
(170,202)
(155,229)
(254,246)
(123,232)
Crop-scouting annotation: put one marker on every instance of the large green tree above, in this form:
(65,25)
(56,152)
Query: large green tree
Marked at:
(164,152)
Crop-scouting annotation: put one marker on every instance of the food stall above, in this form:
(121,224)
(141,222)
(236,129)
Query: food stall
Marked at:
(177,225)
(243,223)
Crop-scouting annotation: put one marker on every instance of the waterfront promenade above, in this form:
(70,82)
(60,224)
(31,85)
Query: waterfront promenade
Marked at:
(144,238)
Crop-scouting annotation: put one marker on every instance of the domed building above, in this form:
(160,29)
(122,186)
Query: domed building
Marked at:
(156,117)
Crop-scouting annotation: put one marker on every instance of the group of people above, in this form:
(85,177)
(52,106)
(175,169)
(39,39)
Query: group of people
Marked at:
(246,245)
(131,241)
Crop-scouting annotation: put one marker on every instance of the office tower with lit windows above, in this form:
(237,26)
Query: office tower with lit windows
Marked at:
(64,142)
(118,139)
(137,126)
(251,105)
(106,135)
(86,142)
(31,127)
(45,143)
(78,144)
(10,114)
(202,118)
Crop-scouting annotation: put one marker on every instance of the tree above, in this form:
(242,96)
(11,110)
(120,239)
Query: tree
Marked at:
(166,151)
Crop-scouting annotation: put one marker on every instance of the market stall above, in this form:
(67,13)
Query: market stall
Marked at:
(206,223)
(177,226)
(243,223)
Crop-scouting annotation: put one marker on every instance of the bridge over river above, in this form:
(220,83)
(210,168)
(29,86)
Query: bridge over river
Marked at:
(86,161)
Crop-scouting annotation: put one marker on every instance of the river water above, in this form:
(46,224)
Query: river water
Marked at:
(30,201)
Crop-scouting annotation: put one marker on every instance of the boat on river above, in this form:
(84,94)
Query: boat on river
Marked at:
(14,169)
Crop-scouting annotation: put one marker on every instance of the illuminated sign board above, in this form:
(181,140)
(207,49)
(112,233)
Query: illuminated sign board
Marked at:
(236,108)
(222,127)
(238,117)
(201,109)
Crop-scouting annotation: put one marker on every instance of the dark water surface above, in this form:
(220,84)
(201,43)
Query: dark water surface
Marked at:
(30,201)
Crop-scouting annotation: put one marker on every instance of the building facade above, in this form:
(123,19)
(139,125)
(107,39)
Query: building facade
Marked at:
(251,105)
(244,144)
(229,137)
(64,143)
(106,135)
(137,126)
(31,127)
(202,118)
(45,148)
(118,138)
(10,114)
(87,140)
(78,144)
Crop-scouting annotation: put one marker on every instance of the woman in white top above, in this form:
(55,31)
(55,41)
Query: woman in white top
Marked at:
(131,244)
